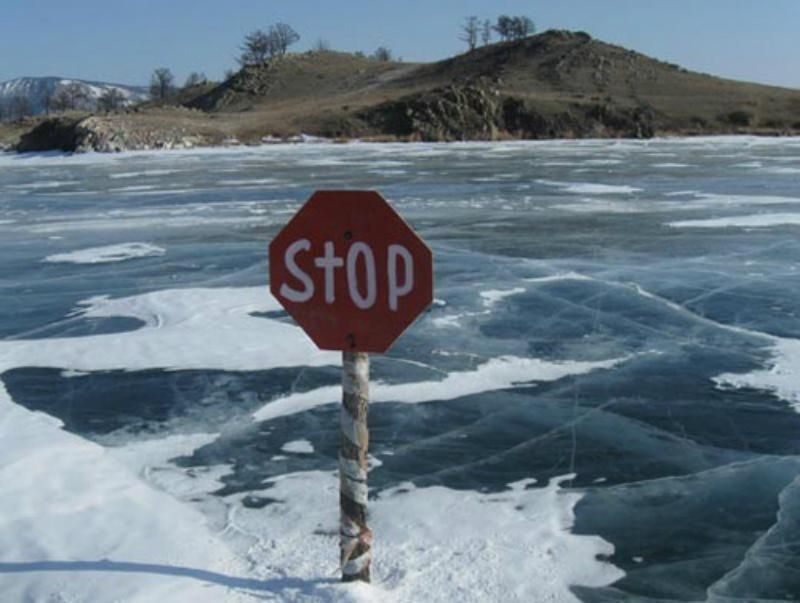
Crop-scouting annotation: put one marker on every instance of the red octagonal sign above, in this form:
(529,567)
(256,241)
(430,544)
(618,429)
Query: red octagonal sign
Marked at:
(350,271)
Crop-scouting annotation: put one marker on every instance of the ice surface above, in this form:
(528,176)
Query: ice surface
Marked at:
(108,254)
(658,364)
(497,373)
(129,542)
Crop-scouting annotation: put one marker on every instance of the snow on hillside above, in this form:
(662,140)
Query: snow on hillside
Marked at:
(36,90)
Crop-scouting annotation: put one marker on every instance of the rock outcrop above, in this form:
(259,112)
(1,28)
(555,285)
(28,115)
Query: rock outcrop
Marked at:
(109,134)
(479,111)
(468,111)
(54,134)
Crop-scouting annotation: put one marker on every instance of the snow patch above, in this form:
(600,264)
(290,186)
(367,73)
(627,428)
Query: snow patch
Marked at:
(107,254)
(143,173)
(749,221)
(492,297)
(781,377)
(436,544)
(184,329)
(77,525)
(587,188)
(298,447)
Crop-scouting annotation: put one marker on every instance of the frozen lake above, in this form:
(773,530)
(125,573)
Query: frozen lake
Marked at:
(602,405)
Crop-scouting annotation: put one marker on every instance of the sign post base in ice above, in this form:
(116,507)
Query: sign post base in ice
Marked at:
(354,276)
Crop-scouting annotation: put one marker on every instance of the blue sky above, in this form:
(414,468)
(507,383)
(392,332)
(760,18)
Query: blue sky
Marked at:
(124,40)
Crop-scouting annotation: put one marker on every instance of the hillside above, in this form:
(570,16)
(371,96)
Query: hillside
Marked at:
(555,84)
(36,91)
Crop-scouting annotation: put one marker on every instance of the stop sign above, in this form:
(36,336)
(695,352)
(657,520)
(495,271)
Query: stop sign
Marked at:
(350,271)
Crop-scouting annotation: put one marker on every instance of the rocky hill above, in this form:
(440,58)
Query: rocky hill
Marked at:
(555,84)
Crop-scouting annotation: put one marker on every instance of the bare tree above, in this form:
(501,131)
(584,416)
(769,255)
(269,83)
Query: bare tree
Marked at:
(70,97)
(260,46)
(195,78)
(523,27)
(256,48)
(382,54)
(504,27)
(19,107)
(60,101)
(162,84)
(322,45)
(111,100)
(78,95)
(514,28)
(470,32)
(486,32)
(282,36)
(47,102)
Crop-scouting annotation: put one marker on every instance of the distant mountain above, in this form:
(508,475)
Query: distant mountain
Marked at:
(37,90)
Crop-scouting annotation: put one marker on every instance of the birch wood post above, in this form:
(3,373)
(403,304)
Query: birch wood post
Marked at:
(355,538)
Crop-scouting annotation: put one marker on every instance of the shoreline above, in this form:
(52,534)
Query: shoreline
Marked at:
(313,141)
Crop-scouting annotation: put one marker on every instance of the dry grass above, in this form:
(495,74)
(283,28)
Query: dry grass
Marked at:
(555,72)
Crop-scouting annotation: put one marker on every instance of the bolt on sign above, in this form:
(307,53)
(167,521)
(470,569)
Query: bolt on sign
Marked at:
(354,276)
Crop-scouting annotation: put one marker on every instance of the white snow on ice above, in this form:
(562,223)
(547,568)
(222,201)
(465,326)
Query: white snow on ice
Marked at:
(781,377)
(492,297)
(77,525)
(602,206)
(715,200)
(434,544)
(107,254)
(183,329)
(143,173)
(749,221)
(587,188)
(40,185)
(298,447)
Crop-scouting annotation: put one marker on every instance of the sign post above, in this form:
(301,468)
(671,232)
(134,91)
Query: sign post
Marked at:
(354,276)
(355,538)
